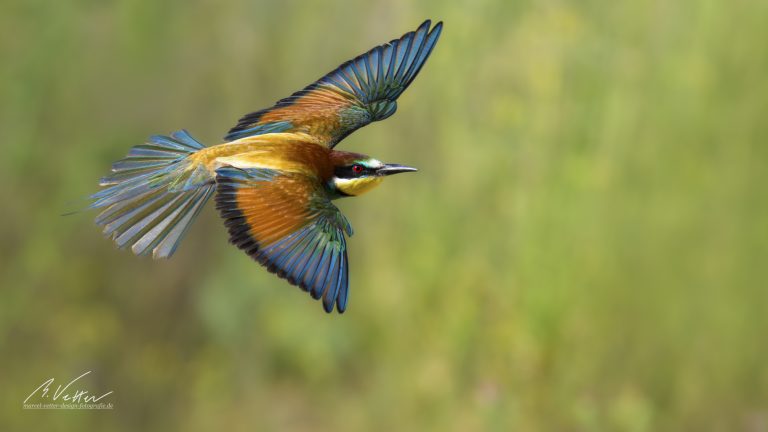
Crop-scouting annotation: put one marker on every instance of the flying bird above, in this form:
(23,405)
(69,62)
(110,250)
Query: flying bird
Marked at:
(275,175)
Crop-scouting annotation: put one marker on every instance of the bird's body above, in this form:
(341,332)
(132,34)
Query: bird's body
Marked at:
(275,175)
(291,152)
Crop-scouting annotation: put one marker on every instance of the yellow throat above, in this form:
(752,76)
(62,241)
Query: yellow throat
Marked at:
(357,186)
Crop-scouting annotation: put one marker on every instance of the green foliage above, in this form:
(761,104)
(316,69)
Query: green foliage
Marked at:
(583,248)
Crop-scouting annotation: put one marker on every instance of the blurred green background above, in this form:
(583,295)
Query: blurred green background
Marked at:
(583,249)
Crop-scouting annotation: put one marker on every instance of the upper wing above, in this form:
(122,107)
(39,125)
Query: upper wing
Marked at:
(358,92)
(285,222)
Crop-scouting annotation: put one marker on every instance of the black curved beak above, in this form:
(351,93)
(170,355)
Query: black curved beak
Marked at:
(390,169)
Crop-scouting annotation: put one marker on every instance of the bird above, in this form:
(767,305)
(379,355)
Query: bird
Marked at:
(274,176)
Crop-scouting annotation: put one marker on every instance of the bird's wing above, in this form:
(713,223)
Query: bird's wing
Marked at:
(358,92)
(286,222)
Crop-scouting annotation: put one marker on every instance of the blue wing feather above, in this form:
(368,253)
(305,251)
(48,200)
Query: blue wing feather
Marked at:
(372,81)
(313,257)
(273,127)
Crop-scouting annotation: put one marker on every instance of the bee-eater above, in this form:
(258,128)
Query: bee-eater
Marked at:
(274,176)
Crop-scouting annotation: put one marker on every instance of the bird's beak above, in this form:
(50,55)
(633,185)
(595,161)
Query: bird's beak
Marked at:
(390,169)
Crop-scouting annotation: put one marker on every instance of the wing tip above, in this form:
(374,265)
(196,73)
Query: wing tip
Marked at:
(427,25)
(437,28)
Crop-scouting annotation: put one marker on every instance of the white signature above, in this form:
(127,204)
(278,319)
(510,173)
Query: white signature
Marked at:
(74,396)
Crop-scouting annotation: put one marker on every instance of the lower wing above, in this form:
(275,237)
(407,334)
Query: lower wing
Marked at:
(285,222)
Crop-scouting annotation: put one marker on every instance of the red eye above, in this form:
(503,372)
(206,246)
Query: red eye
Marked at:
(357,168)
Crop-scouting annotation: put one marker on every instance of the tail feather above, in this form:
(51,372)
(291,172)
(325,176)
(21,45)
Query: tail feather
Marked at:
(153,195)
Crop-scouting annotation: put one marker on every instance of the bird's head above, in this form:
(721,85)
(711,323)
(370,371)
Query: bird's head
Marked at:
(355,174)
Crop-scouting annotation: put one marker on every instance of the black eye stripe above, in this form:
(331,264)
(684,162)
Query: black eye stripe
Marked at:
(348,171)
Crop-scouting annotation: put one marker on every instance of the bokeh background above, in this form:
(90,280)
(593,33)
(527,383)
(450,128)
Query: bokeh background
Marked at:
(584,248)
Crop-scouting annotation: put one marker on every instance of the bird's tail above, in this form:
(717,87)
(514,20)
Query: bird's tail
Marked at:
(152,195)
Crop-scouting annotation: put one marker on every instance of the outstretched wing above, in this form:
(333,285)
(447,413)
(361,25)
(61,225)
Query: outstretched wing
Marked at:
(287,223)
(358,92)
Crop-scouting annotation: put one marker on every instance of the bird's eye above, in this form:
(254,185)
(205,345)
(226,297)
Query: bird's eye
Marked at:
(357,168)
